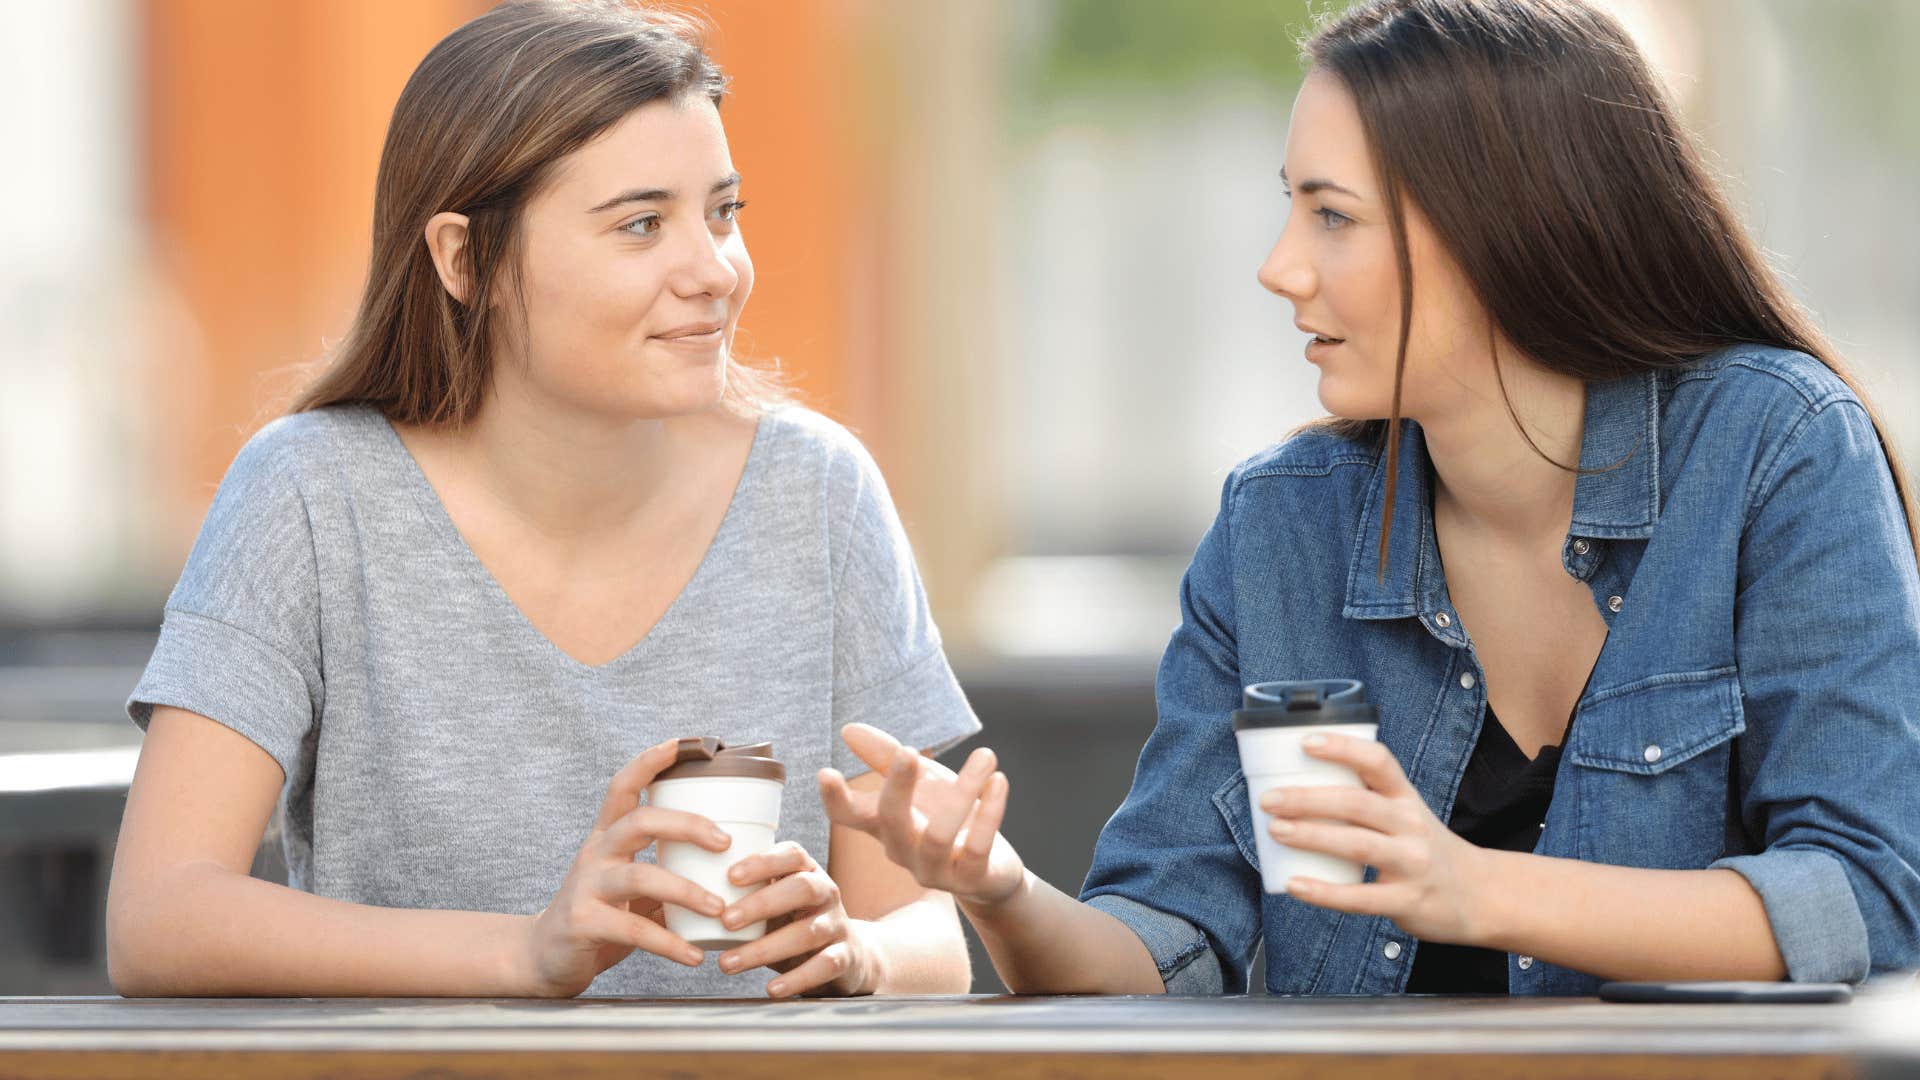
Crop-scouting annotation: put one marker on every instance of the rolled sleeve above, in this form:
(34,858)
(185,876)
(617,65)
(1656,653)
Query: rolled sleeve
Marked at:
(204,666)
(1816,920)
(1187,964)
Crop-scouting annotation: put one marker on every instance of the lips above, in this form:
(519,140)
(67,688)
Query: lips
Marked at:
(692,330)
(1323,339)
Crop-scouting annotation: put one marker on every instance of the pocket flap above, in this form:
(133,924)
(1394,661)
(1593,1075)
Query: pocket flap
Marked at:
(1234,805)
(1652,725)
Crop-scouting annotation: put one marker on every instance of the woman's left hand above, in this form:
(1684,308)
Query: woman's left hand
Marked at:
(810,940)
(1427,875)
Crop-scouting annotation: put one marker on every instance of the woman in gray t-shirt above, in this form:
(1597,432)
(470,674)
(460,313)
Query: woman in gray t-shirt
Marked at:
(531,521)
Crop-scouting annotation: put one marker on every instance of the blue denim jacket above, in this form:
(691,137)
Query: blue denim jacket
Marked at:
(1753,707)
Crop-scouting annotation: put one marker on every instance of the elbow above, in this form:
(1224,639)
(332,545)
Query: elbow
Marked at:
(129,965)
(132,967)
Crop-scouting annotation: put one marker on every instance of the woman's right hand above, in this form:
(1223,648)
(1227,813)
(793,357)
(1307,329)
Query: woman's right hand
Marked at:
(609,905)
(942,827)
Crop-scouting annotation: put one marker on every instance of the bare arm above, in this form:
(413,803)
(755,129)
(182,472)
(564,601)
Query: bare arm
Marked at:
(185,919)
(943,829)
(1619,922)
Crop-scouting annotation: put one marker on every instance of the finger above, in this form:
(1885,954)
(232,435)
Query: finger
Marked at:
(953,805)
(1377,766)
(800,938)
(871,745)
(1354,806)
(799,892)
(845,806)
(782,859)
(617,926)
(896,806)
(624,882)
(1364,846)
(649,823)
(984,825)
(623,791)
(826,965)
(1368,898)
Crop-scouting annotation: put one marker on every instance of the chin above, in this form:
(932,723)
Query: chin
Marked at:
(1353,403)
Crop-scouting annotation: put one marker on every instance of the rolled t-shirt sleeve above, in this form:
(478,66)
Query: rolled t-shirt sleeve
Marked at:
(239,642)
(889,669)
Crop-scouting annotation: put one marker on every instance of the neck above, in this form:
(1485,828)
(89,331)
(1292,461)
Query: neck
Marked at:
(571,476)
(1488,477)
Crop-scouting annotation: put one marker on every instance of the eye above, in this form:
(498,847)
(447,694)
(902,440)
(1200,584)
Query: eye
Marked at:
(1334,219)
(729,211)
(644,225)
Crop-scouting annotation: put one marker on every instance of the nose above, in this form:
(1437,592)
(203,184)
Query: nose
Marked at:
(1287,271)
(702,268)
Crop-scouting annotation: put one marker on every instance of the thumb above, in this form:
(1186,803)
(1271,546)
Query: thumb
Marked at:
(844,805)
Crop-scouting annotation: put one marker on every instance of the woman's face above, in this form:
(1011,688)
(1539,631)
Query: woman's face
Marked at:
(1334,260)
(634,268)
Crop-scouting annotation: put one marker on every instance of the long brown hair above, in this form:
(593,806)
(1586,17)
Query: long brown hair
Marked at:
(1535,139)
(477,130)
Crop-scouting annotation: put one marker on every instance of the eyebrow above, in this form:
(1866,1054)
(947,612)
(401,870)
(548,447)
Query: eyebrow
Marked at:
(661,194)
(1308,187)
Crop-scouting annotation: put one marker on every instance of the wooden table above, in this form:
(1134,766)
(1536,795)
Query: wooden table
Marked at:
(1008,1038)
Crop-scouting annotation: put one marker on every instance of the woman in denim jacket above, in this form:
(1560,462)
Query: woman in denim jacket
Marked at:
(1602,522)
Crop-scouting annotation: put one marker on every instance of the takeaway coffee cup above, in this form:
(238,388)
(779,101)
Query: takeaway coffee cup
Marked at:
(737,788)
(1276,716)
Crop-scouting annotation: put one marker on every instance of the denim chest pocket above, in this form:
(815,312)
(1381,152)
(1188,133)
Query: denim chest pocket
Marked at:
(1653,764)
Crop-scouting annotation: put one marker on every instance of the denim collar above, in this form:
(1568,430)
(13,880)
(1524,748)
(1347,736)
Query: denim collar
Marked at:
(1621,437)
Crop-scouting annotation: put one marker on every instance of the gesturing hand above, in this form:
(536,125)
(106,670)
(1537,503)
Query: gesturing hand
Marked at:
(942,827)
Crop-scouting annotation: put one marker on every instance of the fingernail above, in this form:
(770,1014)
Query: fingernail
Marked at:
(714,905)
(732,921)
(738,874)
(720,837)
(729,964)
(1282,827)
(1299,885)
(776,988)
(1314,740)
(694,956)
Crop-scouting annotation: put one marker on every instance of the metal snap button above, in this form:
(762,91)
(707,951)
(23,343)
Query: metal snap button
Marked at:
(1392,950)
(1466,680)
(1443,619)
(1615,603)
(1526,962)
(1581,547)
(1652,754)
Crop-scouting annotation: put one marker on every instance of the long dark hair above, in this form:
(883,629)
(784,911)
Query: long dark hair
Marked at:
(477,130)
(1535,139)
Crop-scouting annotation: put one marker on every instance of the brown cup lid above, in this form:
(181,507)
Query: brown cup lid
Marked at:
(708,756)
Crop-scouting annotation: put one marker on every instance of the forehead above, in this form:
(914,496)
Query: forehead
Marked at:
(1325,139)
(650,146)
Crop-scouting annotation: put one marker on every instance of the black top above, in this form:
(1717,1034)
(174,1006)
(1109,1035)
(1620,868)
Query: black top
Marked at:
(1502,804)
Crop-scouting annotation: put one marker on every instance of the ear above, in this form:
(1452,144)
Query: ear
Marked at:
(446,237)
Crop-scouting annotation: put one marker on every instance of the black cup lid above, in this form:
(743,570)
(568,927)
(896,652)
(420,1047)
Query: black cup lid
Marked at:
(1306,703)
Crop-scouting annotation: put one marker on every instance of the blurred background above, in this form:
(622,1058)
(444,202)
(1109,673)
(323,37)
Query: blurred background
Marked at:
(1012,243)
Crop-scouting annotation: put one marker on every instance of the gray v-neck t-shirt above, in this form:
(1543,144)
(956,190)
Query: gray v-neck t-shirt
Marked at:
(440,752)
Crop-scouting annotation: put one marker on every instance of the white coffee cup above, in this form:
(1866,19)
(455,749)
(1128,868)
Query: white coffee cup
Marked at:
(1269,729)
(738,789)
